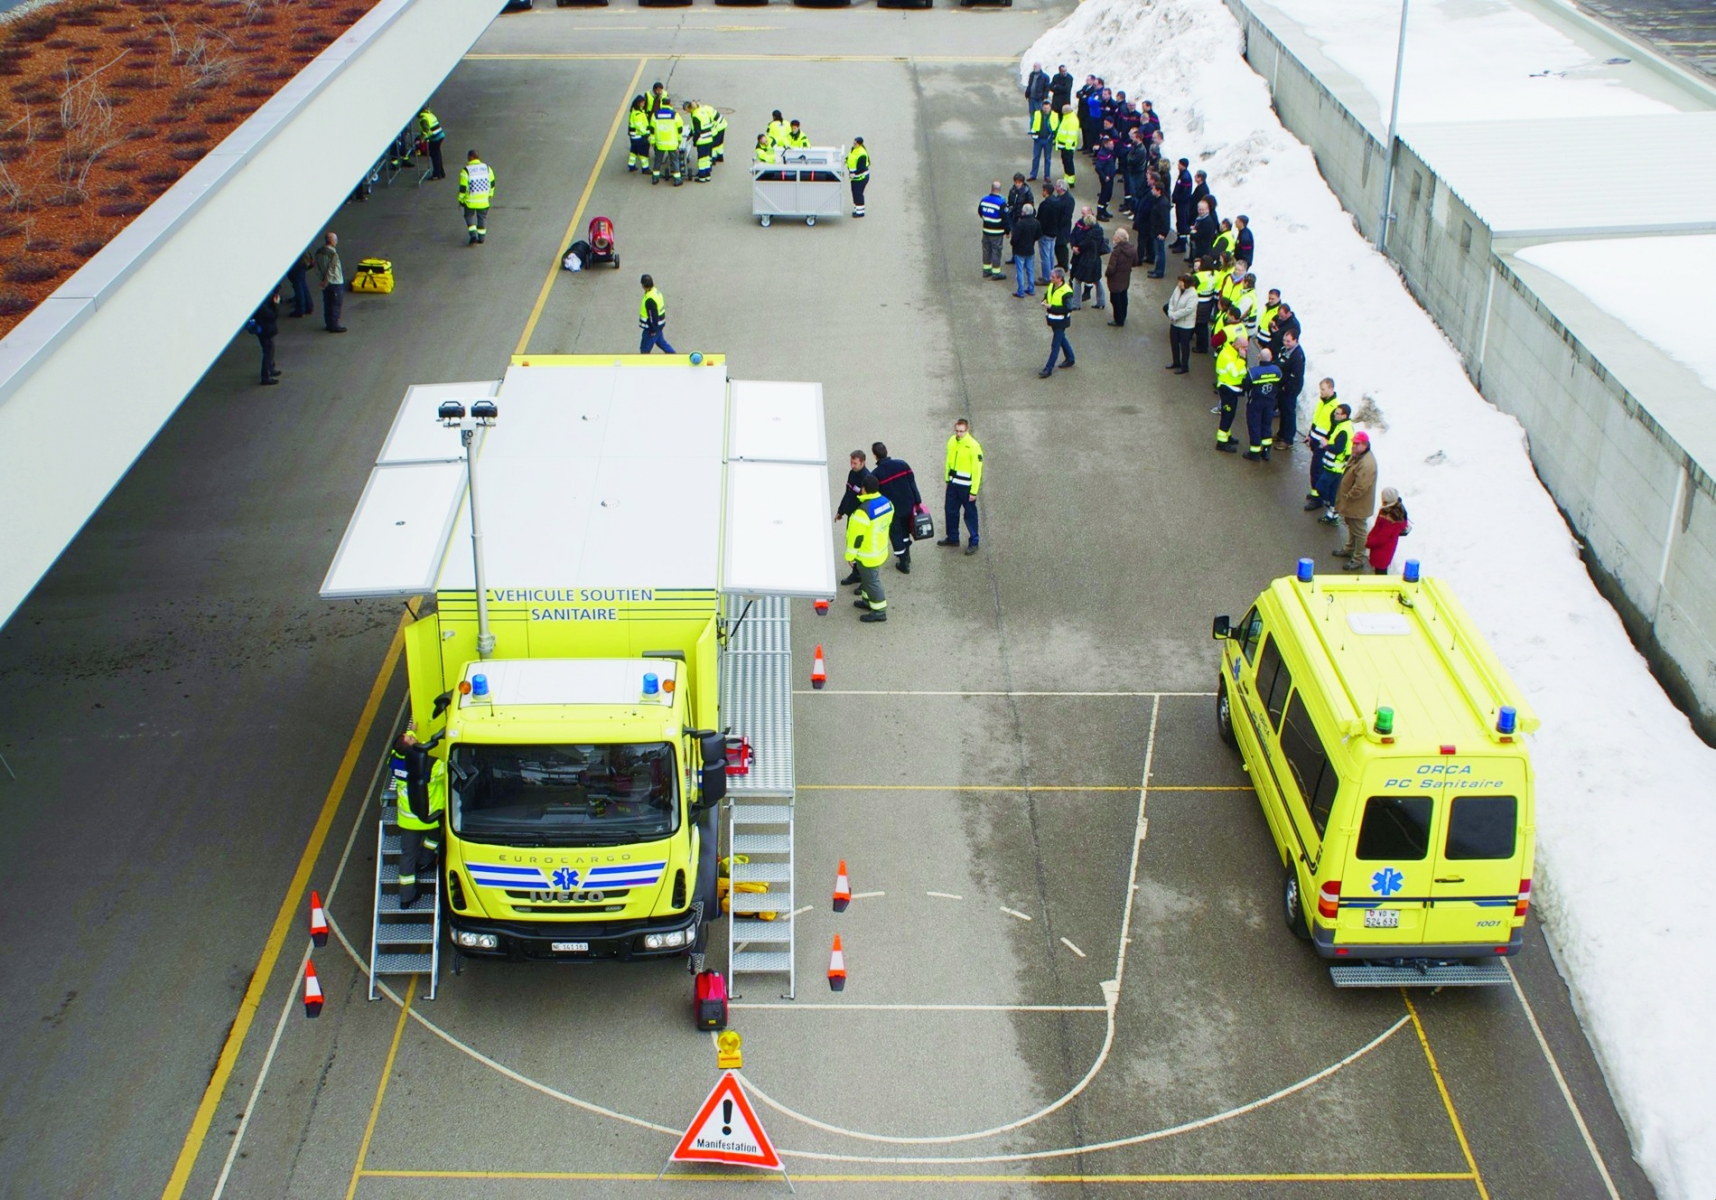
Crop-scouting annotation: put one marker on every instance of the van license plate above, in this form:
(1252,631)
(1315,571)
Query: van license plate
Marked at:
(1382,918)
(584,947)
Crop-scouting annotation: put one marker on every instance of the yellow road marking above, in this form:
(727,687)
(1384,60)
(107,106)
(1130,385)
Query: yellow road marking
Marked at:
(1015,787)
(578,213)
(283,922)
(712,1177)
(1447,1100)
(597,56)
(381,1089)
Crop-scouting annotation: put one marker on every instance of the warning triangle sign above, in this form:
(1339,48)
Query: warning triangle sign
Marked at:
(726,1130)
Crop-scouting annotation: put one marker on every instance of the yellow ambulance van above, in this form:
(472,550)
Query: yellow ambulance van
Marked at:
(1386,744)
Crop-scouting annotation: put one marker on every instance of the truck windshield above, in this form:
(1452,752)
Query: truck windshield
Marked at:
(563,795)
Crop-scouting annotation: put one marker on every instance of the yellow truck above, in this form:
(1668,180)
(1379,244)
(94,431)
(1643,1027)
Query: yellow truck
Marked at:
(635,529)
(1386,744)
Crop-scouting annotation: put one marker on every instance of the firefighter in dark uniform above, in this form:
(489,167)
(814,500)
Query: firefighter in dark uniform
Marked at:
(420,791)
(894,479)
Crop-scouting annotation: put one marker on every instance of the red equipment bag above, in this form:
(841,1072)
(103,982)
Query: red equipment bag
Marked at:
(710,1009)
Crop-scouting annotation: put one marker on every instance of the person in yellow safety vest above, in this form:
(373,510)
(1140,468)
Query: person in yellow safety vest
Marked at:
(420,794)
(777,132)
(1336,453)
(702,131)
(1206,279)
(658,98)
(719,149)
(433,135)
(1221,324)
(1322,420)
(964,478)
(476,193)
(868,546)
(858,174)
(797,138)
(766,152)
(1227,239)
(652,318)
(1231,371)
(1066,141)
(1044,122)
(1266,317)
(1231,278)
(1245,302)
(665,129)
(637,132)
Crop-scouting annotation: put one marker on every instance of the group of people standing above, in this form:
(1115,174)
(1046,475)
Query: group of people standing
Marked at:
(672,144)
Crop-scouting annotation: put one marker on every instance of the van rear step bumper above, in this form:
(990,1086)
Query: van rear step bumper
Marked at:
(1483,973)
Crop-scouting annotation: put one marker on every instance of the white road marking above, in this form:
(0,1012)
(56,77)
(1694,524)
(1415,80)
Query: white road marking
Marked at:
(1074,948)
(1137,848)
(1561,1082)
(867,895)
(944,895)
(292,994)
(1054,1008)
(805,909)
(1097,695)
(1013,912)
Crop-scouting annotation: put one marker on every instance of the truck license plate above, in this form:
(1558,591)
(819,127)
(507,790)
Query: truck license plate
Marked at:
(1382,918)
(584,947)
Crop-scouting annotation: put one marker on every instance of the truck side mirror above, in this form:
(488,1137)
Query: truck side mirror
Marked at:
(442,702)
(712,782)
(1222,629)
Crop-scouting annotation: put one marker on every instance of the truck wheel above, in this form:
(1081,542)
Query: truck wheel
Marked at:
(1292,910)
(1224,713)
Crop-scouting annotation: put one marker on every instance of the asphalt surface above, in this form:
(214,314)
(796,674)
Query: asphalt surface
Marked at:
(1685,29)
(181,711)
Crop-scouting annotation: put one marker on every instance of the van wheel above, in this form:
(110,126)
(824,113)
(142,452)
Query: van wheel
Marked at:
(1292,911)
(1224,713)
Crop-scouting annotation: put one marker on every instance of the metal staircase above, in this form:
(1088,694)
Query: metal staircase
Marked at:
(756,701)
(403,941)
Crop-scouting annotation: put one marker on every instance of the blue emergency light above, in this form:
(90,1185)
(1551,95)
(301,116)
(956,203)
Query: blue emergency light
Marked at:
(652,685)
(1410,573)
(479,685)
(1307,568)
(696,358)
(1507,720)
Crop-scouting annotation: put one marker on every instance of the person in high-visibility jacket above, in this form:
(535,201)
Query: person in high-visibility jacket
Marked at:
(777,131)
(1337,452)
(1262,396)
(719,149)
(1226,240)
(1230,385)
(766,150)
(1206,279)
(700,119)
(858,173)
(420,794)
(652,318)
(964,478)
(868,546)
(637,134)
(1066,141)
(797,138)
(1044,122)
(1322,420)
(476,193)
(429,128)
(665,131)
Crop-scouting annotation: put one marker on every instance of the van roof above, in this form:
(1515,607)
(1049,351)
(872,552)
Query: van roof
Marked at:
(1381,641)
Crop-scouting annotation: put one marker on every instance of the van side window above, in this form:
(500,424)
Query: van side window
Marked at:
(1482,827)
(1395,827)
(1274,681)
(1250,630)
(1309,762)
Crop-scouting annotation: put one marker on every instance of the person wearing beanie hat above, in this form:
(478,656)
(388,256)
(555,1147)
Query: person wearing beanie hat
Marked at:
(1355,501)
(1392,524)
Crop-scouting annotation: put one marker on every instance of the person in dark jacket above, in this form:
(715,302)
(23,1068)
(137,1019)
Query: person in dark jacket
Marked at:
(849,498)
(1119,273)
(1134,166)
(267,319)
(1285,323)
(1292,362)
(1018,196)
(297,276)
(1027,232)
(1157,230)
(1088,246)
(1106,161)
(992,215)
(1244,243)
(1036,88)
(1204,231)
(894,479)
(1056,215)
(1061,87)
(1058,308)
(1184,210)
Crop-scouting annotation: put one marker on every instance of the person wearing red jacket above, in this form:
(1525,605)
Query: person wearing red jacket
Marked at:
(1391,525)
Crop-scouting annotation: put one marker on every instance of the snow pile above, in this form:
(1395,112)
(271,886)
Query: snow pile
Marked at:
(1607,273)
(1466,62)
(1626,830)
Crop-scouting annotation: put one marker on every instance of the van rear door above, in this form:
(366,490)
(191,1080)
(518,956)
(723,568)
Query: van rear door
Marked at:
(1480,847)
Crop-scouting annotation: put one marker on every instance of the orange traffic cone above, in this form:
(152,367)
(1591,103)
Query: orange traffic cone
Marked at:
(821,607)
(318,920)
(312,991)
(818,670)
(837,968)
(842,889)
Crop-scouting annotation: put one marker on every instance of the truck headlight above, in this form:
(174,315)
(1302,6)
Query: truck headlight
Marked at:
(666,941)
(476,941)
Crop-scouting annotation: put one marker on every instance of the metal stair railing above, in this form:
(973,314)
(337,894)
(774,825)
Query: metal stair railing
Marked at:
(403,941)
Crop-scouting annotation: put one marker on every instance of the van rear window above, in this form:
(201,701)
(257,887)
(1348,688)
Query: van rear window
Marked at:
(1482,827)
(1396,827)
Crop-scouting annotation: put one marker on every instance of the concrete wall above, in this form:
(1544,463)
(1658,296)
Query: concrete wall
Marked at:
(89,377)
(1644,508)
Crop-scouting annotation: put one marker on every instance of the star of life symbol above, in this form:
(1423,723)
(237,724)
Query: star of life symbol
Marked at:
(566,879)
(1387,881)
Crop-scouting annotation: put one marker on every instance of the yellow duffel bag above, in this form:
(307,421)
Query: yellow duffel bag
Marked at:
(373,275)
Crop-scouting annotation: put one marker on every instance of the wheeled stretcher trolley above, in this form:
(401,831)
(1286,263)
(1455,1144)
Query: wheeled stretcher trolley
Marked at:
(808,182)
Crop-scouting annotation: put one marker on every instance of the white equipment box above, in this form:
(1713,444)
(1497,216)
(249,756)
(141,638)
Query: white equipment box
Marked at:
(809,182)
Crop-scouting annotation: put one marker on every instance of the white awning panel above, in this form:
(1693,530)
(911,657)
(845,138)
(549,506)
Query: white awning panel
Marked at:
(395,541)
(416,435)
(777,540)
(776,422)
